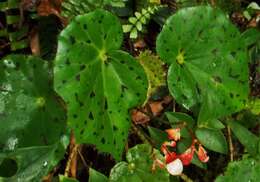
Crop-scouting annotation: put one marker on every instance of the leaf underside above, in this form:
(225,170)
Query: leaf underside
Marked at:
(98,82)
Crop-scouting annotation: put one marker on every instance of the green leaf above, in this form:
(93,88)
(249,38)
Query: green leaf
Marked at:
(127,28)
(115,3)
(254,106)
(144,11)
(259,145)
(33,162)
(132,20)
(244,170)
(143,20)
(95,176)
(139,26)
(138,15)
(133,33)
(206,115)
(251,36)
(247,15)
(177,117)
(212,139)
(158,136)
(248,139)
(66,179)
(139,165)
(98,82)
(254,6)
(35,134)
(206,55)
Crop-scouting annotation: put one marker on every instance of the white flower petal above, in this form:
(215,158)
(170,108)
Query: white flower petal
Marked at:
(175,167)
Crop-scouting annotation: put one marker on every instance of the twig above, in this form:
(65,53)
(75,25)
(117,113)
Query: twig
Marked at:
(5,45)
(142,135)
(185,178)
(70,159)
(230,143)
(82,158)
(73,153)
(213,3)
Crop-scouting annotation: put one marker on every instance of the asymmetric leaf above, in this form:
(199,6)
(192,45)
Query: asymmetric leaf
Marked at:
(98,82)
(206,55)
(32,120)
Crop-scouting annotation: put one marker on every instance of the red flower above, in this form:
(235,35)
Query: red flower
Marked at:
(187,156)
(174,134)
(174,162)
(202,154)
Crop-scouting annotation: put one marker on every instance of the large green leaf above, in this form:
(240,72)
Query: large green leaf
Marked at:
(139,165)
(244,170)
(98,82)
(32,121)
(212,139)
(206,55)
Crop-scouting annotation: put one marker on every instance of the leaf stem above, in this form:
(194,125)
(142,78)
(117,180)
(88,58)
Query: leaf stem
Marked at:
(230,143)
(185,178)
(82,157)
